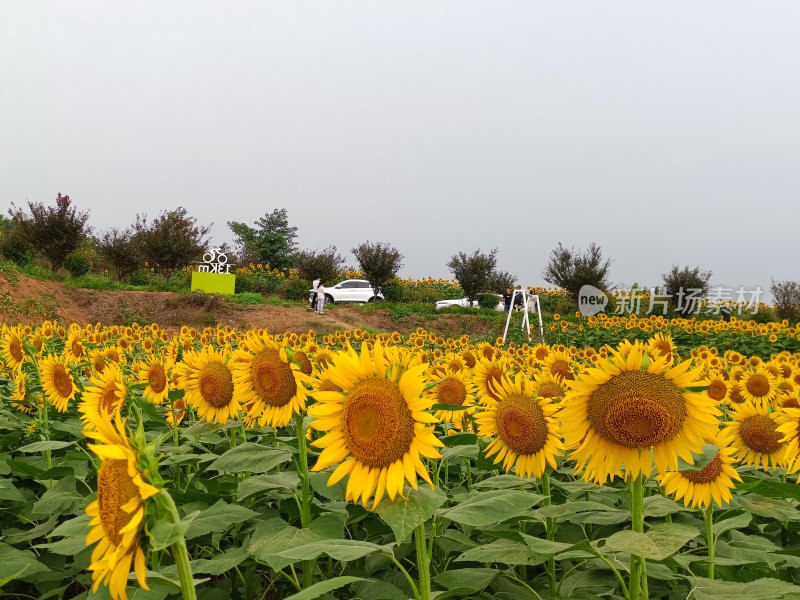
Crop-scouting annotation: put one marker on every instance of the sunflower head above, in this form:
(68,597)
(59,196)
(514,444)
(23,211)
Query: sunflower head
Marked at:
(753,432)
(58,382)
(206,377)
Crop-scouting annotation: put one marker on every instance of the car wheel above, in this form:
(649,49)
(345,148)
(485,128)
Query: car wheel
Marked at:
(328,299)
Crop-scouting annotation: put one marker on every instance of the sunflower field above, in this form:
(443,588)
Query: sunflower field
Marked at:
(639,459)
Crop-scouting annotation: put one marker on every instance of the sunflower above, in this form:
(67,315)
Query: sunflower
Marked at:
(758,386)
(753,431)
(73,348)
(486,375)
(19,397)
(105,394)
(377,427)
(271,384)
(547,385)
(558,363)
(155,372)
(717,388)
(98,359)
(712,482)
(540,352)
(790,429)
(11,347)
(524,428)
(453,388)
(118,512)
(629,405)
(661,345)
(57,382)
(207,380)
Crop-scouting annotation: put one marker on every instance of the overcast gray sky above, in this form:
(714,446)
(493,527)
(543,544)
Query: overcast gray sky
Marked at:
(667,132)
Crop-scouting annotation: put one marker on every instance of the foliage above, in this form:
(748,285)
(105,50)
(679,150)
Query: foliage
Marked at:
(55,231)
(260,282)
(682,285)
(487,301)
(120,251)
(295,289)
(323,264)
(247,298)
(394,291)
(13,243)
(171,241)
(475,272)
(499,281)
(786,296)
(380,262)
(76,264)
(271,241)
(571,269)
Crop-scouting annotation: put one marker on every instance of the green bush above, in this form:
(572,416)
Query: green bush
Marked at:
(258,282)
(394,291)
(246,298)
(487,301)
(140,277)
(76,265)
(295,289)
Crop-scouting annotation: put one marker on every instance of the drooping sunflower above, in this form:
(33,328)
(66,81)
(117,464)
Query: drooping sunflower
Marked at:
(155,371)
(753,431)
(524,427)
(123,489)
(57,382)
(758,386)
(11,347)
(713,482)
(19,398)
(104,396)
(633,411)
(207,379)
(377,427)
(272,386)
(454,388)
(73,348)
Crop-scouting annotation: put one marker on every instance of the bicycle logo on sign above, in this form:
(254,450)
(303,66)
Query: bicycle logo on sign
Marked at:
(215,261)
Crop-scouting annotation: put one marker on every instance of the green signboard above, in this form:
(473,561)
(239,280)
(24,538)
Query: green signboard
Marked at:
(213,283)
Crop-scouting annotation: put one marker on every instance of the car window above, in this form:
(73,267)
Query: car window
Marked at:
(363,284)
(348,284)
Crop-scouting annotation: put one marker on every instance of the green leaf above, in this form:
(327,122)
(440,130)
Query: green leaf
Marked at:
(165,533)
(545,546)
(222,563)
(491,507)
(737,522)
(67,547)
(466,581)
(462,451)
(274,535)
(761,589)
(452,407)
(772,508)
(250,458)
(507,552)
(460,439)
(500,482)
(769,488)
(18,564)
(659,506)
(59,499)
(77,527)
(219,517)
(660,542)
(404,514)
(279,485)
(583,511)
(323,587)
(42,446)
(344,550)
(10,493)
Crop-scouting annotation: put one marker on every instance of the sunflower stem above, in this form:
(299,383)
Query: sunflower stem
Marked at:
(709,515)
(180,552)
(305,501)
(638,578)
(423,563)
(549,528)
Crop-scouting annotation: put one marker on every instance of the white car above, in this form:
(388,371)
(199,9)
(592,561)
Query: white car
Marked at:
(349,290)
(464,302)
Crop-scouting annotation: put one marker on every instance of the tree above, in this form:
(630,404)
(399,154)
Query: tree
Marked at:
(271,241)
(13,244)
(380,262)
(474,272)
(119,249)
(55,231)
(500,280)
(170,241)
(324,264)
(571,269)
(685,287)
(786,295)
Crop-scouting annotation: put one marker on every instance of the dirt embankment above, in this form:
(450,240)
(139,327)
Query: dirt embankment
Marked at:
(27,300)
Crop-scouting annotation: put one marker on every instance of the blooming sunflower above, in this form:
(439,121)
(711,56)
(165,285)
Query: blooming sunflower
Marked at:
(717,388)
(11,348)
(271,384)
(73,348)
(661,345)
(487,375)
(207,379)
(559,363)
(104,396)
(524,428)
(377,427)
(758,386)
(547,385)
(57,382)
(753,431)
(712,482)
(454,388)
(155,371)
(117,514)
(630,406)
(790,429)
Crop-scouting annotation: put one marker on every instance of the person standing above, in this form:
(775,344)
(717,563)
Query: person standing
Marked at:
(507,299)
(314,285)
(320,296)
